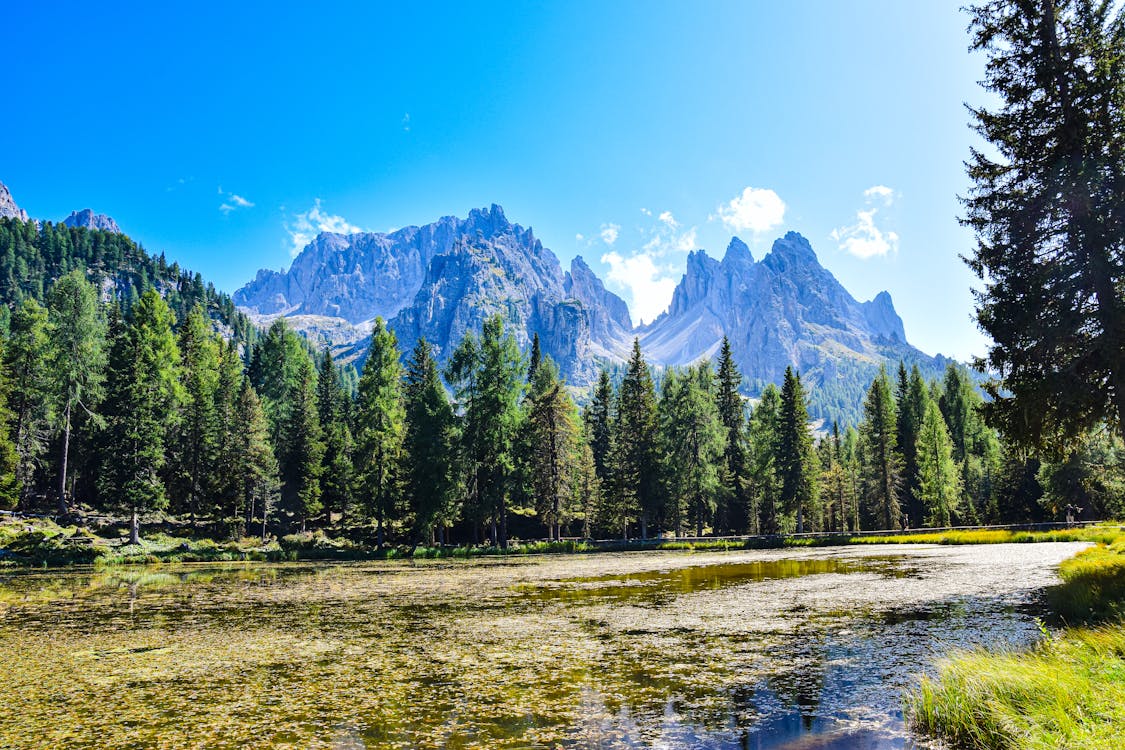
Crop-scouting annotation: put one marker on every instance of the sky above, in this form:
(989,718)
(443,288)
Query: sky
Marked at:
(629,133)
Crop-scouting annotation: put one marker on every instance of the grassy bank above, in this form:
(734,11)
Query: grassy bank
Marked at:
(1066,692)
(42,543)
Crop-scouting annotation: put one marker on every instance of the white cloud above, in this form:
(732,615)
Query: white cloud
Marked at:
(233,202)
(668,219)
(648,285)
(609,233)
(579,237)
(756,209)
(306,226)
(864,239)
(646,212)
(881,192)
(406,122)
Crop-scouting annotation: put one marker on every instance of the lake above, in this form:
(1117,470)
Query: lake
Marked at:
(768,650)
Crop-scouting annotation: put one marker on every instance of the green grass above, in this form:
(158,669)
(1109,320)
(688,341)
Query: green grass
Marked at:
(1068,691)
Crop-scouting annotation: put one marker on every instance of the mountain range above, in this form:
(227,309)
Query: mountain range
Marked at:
(441,280)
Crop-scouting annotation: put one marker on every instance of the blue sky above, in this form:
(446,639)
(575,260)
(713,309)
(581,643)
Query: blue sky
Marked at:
(626,132)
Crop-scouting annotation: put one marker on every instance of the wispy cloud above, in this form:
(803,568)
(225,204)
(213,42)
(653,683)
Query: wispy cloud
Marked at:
(755,209)
(233,202)
(864,239)
(649,285)
(304,227)
(609,233)
(406,122)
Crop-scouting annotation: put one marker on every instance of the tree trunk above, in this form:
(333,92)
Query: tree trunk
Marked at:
(264,523)
(379,532)
(135,528)
(644,525)
(63,509)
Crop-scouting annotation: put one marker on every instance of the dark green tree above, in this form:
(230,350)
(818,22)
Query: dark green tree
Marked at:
(882,464)
(1048,208)
(196,442)
(75,360)
(766,481)
(25,357)
(429,446)
(733,514)
(380,423)
(693,439)
(635,463)
(145,392)
(796,461)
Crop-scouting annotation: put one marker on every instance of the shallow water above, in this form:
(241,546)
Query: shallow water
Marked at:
(765,650)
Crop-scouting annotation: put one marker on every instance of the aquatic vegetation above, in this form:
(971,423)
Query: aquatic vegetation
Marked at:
(598,650)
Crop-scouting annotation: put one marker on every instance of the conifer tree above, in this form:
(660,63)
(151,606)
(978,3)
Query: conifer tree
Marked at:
(910,402)
(599,424)
(75,360)
(336,481)
(763,437)
(733,512)
(1048,208)
(303,447)
(145,392)
(9,459)
(587,483)
(196,446)
(882,464)
(694,441)
(552,427)
(939,483)
(230,426)
(256,469)
(25,357)
(380,423)
(834,482)
(429,445)
(635,476)
(796,461)
(535,359)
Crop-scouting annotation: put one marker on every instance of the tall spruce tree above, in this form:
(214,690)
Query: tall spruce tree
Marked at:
(9,459)
(380,423)
(1048,209)
(229,498)
(553,430)
(733,511)
(429,446)
(635,463)
(939,483)
(303,446)
(256,469)
(599,423)
(25,357)
(763,436)
(693,438)
(145,392)
(910,403)
(197,439)
(796,460)
(75,360)
(337,480)
(882,464)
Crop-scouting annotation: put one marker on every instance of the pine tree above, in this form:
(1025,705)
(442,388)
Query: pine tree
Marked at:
(834,482)
(939,483)
(535,359)
(733,513)
(230,429)
(694,440)
(763,436)
(380,423)
(429,445)
(796,461)
(337,479)
(25,357)
(196,446)
(75,360)
(144,394)
(9,459)
(882,464)
(635,476)
(587,483)
(552,428)
(599,424)
(303,447)
(1048,209)
(256,469)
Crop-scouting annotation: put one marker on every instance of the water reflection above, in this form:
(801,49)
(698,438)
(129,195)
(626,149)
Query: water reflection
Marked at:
(758,650)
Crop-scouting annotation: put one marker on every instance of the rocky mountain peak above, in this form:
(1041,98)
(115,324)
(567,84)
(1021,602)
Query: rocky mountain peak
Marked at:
(883,319)
(738,252)
(8,207)
(87,219)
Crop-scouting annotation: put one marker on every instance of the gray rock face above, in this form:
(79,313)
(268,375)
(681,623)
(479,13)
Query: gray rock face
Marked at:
(8,207)
(87,219)
(441,281)
(784,310)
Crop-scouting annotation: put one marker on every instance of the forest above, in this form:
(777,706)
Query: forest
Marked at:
(130,389)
